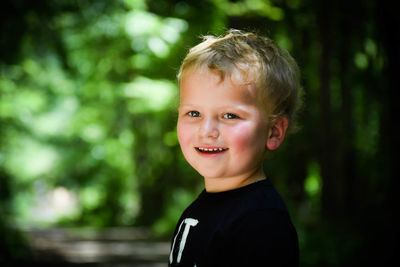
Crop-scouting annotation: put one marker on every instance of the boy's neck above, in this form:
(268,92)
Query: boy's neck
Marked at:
(215,185)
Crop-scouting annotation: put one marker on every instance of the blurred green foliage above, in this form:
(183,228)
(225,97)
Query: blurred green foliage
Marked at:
(88,113)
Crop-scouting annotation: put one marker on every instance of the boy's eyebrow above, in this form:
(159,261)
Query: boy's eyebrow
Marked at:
(238,107)
(227,107)
(187,105)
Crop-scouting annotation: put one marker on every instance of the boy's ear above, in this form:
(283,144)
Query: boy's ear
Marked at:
(277,132)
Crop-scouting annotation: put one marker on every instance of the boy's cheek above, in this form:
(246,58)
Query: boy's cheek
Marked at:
(184,134)
(241,135)
(183,141)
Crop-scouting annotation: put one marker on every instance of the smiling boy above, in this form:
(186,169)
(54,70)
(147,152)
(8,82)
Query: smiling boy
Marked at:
(238,96)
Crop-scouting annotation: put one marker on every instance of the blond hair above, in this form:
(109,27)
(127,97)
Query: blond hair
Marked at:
(254,60)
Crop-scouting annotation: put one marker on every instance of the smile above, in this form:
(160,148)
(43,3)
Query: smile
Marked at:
(211,150)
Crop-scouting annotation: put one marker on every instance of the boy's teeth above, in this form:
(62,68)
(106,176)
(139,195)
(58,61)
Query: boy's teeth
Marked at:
(211,149)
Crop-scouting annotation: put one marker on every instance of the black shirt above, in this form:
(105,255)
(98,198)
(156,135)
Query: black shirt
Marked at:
(248,226)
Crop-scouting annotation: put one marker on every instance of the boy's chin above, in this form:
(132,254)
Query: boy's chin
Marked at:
(209,174)
(204,171)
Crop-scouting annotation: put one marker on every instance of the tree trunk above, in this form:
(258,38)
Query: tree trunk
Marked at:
(327,146)
(348,155)
(386,205)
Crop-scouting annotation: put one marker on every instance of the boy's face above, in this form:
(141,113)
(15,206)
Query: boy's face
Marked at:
(221,129)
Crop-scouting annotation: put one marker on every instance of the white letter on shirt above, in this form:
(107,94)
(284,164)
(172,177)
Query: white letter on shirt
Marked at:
(188,222)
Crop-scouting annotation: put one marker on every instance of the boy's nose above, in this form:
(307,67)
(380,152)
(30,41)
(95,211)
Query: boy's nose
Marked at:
(209,128)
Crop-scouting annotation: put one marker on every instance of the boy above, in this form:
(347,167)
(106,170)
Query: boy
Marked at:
(238,96)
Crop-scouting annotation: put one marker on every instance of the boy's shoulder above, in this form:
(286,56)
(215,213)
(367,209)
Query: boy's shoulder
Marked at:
(251,200)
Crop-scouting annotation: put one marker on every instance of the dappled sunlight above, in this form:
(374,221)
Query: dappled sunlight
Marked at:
(28,158)
(49,205)
(150,95)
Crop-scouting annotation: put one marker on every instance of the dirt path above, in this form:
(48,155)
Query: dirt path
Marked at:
(116,247)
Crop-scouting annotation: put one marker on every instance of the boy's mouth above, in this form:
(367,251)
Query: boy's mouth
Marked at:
(209,150)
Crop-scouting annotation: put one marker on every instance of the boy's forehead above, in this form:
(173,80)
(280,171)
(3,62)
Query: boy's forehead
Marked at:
(245,92)
(233,78)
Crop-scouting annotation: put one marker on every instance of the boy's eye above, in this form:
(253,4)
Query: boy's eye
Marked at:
(230,116)
(194,113)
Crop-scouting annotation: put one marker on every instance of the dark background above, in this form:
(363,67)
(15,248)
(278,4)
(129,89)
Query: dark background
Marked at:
(87,118)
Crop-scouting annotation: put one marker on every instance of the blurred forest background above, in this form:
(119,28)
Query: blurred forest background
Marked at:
(88,112)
